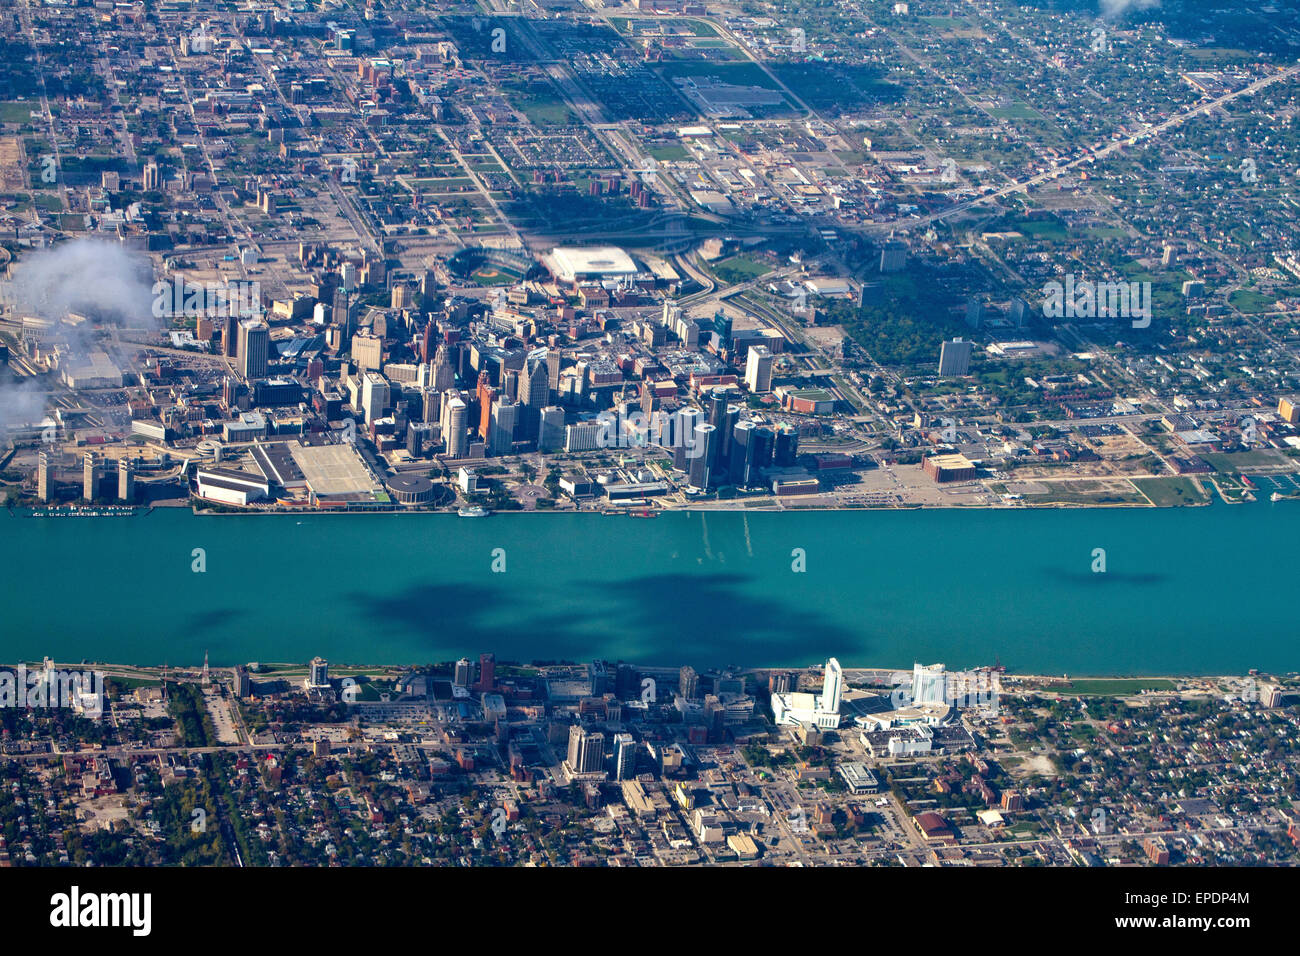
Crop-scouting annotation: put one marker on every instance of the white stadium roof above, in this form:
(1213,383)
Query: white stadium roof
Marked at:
(572,262)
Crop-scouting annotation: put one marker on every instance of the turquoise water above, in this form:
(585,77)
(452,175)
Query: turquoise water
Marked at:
(1192,590)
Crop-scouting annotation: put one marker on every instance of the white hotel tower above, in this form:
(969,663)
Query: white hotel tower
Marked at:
(822,710)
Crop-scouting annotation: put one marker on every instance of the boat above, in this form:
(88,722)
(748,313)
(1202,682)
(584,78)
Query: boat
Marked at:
(647,513)
(473,511)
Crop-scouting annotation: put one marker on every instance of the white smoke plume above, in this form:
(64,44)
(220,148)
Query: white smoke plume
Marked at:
(22,404)
(1114,9)
(98,279)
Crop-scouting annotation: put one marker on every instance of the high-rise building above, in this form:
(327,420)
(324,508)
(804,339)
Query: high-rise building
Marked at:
(786,451)
(534,394)
(758,369)
(368,351)
(254,348)
(700,468)
(688,419)
(152,177)
(319,674)
(487,673)
(240,685)
(954,357)
(893,257)
(550,434)
(505,419)
(624,757)
(45,476)
(586,750)
(463,675)
(832,686)
(688,682)
(126,480)
(375,394)
(454,413)
(90,473)
(929,684)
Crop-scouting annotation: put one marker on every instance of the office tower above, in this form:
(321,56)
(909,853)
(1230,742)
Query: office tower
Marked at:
(730,419)
(701,466)
(929,684)
(550,434)
(230,336)
(45,477)
(954,357)
(624,757)
(534,394)
(758,369)
(444,374)
(786,449)
(90,476)
(553,360)
(586,750)
(320,673)
(400,298)
(367,350)
(832,687)
(505,418)
(717,406)
(741,436)
(432,399)
(487,673)
(428,346)
(126,480)
(688,420)
(758,456)
(341,314)
(463,675)
(254,348)
(152,178)
(374,396)
(453,427)
(688,683)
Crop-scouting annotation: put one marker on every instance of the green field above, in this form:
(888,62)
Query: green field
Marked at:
(1170,492)
(17,112)
(740,269)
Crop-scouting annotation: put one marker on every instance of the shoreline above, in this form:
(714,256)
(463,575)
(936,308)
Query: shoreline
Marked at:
(294,668)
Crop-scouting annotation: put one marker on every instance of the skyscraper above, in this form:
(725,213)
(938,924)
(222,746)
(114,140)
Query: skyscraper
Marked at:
(758,369)
(453,427)
(624,757)
(586,750)
(90,476)
(45,476)
(254,348)
(534,394)
(463,675)
(505,419)
(126,480)
(832,686)
(701,466)
(786,450)
(688,682)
